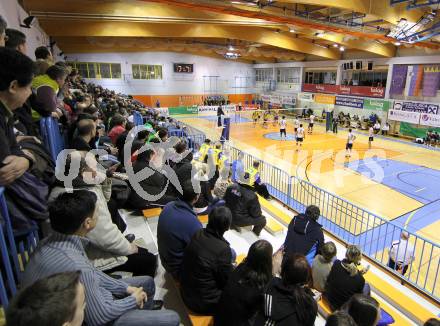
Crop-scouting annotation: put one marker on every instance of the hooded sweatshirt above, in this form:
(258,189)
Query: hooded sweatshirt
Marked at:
(281,309)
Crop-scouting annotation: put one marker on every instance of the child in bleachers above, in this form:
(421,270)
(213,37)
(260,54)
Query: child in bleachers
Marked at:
(322,265)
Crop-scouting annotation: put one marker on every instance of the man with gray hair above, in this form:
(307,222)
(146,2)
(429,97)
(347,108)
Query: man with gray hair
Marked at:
(401,254)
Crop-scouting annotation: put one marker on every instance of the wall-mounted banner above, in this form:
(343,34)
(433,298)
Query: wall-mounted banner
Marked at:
(162,111)
(325,99)
(398,79)
(416,107)
(183,110)
(351,102)
(404,116)
(305,97)
(377,105)
(275,99)
(346,90)
(431,81)
(265,98)
(288,100)
(428,119)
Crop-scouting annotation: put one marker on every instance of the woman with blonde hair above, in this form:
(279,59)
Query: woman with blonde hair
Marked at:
(345,278)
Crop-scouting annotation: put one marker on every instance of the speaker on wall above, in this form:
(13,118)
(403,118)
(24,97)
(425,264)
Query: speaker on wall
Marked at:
(370,65)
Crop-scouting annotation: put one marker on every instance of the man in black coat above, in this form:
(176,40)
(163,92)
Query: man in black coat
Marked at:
(219,116)
(207,264)
(304,235)
(245,207)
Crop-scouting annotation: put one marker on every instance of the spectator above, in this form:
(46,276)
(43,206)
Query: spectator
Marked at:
(16,40)
(3,27)
(253,175)
(177,224)
(16,76)
(46,88)
(401,254)
(245,207)
(385,128)
(345,279)
(109,250)
(223,182)
(203,151)
(117,127)
(363,309)
(107,300)
(56,300)
(43,53)
(154,186)
(340,318)
(376,127)
(86,138)
(322,264)
(238,168)
(243,293)
(120,143)
(207,264)
(206,201)
(304,235)
(432,322)
(287,300)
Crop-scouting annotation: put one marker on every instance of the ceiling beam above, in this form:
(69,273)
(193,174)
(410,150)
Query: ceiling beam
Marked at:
(385,50)
(134,11)
(133,29)
(381,9)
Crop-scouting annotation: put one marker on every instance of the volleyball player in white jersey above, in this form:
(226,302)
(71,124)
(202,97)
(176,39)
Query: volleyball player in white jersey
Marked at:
(312,120)
(350,140)
(296,125)
(283,124)
(370,136)
(300,135)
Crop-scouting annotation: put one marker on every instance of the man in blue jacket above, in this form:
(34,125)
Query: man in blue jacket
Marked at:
(304,235)
(177,224)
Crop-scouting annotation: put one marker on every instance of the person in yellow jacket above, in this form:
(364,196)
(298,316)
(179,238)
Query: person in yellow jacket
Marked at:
(46,88)
(255,117)
(203,151)
(252,175)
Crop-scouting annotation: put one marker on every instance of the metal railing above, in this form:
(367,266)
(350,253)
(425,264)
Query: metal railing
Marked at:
(353,224)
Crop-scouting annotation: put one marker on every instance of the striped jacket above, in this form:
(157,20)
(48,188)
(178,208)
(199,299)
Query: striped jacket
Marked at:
(63,253)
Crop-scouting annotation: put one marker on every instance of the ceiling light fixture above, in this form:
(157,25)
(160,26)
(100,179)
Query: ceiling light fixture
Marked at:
(319,34)
(231,48)
(397,43)
(335,45)
(342,49)
(291,30)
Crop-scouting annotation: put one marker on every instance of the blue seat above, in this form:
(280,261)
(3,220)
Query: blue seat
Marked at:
(137,119)
(15,249)
(52,137)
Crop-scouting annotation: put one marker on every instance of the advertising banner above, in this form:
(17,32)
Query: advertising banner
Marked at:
(405,116)
(377,105)
(416,107)
(288,100)
(305,97)
(275,99)
(429,119)
(162,111)
(351,102)
(324,99)
(183,110)
(346,90)
(265,98)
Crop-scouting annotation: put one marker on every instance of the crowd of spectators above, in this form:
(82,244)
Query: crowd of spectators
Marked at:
(111,164)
